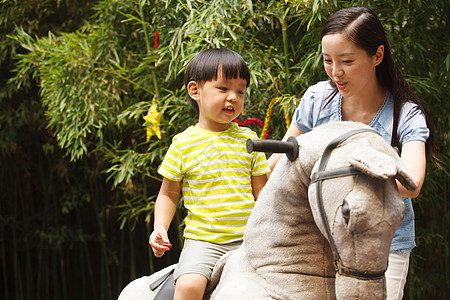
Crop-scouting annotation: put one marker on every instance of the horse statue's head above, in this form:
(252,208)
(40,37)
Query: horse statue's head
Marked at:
(363,208)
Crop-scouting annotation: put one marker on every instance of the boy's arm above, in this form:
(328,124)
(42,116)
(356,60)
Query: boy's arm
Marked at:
(258,183)
(165,206)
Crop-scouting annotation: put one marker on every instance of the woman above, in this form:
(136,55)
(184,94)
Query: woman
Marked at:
(366,86)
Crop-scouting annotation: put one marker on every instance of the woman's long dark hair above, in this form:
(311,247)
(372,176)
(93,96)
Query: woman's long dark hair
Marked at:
(362,26)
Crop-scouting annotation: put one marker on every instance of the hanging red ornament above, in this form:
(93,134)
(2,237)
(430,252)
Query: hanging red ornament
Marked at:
(156,39)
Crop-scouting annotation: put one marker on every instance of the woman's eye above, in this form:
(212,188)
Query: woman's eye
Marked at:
(241,92)
(347,61)
(223,88)
(327,61)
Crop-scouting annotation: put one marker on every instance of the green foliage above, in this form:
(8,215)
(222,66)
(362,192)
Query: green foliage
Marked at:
(78,77)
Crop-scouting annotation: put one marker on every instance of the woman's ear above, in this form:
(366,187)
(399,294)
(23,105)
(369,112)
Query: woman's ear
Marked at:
(379,55)
(193,90)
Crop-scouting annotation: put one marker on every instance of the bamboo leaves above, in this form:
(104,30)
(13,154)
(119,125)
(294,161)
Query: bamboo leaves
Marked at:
(97,82)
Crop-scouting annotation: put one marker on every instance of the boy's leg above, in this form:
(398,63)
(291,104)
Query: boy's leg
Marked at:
(396,275)
(190,286)
(196,263)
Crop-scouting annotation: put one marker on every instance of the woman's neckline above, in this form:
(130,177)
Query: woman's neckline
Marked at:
(375,117)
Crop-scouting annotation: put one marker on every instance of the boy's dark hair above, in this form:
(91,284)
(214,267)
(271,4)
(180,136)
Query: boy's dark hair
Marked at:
(205,66)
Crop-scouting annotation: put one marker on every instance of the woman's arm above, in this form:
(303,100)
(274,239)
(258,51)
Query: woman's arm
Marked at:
(275,157)
(414,158)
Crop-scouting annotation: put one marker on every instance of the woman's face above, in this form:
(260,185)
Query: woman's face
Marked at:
(349,66)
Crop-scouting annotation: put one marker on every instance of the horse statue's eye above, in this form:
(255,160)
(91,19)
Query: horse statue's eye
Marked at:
(346,211)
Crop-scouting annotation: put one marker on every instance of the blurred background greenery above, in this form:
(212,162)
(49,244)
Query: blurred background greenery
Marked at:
(77,176)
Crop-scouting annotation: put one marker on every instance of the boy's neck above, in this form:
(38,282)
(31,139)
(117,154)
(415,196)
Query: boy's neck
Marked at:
(213,127)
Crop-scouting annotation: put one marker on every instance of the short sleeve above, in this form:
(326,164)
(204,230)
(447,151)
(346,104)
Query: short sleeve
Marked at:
(172,164)
(413,125)
(303,117)
(307,113)
(260,166)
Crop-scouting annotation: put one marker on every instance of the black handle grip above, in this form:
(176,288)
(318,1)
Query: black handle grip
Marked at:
(290,147)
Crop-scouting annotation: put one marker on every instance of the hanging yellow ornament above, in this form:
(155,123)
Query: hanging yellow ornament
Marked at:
(264,132)
(153,118)
(267,120)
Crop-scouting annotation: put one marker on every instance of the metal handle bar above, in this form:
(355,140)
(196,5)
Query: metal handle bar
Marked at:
(290,147)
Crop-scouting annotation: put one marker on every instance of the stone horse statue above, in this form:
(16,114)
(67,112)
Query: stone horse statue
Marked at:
(322,225)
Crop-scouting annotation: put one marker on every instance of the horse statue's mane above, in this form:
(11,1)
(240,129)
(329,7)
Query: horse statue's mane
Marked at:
(286,252)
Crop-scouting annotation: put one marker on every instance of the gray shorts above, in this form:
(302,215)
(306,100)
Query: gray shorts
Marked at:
(199,257)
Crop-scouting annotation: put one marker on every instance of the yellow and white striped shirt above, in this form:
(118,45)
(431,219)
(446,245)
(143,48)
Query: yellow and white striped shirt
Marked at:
(216,172)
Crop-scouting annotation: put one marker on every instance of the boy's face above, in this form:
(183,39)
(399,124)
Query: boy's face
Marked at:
(219,101)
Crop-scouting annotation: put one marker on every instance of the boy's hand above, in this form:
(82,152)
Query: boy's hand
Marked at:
(159,242)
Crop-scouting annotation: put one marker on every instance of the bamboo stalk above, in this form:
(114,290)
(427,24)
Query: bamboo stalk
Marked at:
(46,277)
(4,263)
(284,28)
(17,274)
(61,264)
(132,252)
(29,270)
(178,221)
(85,264)
(121,259)
(26,214)
(82,264)
(92,281)
(55,276)
(445,262)
(106,280)
(147,229)
(41,271)
(5,231)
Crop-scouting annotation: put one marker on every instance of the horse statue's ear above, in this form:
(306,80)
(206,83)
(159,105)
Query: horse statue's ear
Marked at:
(380,165)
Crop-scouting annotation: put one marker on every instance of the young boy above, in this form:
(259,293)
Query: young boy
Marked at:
(208,163)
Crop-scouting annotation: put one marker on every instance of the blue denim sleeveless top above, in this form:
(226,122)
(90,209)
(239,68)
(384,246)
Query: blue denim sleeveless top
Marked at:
(312,112)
